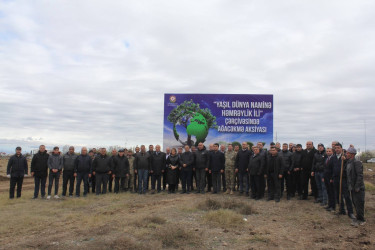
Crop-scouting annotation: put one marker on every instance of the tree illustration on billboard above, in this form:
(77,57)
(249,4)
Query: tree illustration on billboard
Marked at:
(195,120)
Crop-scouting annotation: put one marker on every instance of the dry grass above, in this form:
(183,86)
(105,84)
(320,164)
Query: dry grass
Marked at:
(231,204)
(223,218)
(369,186)
(176,236)
(149,221)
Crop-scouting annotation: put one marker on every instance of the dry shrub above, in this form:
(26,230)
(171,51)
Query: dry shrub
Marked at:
(125,242)
(223,218)
(149,221)
(232,204)
(175,236)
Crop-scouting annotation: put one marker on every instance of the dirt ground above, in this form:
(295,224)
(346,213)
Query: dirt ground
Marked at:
(177,221)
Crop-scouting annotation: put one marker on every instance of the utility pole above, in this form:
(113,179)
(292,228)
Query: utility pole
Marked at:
(365,135)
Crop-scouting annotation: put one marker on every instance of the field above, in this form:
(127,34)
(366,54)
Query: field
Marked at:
(131,221)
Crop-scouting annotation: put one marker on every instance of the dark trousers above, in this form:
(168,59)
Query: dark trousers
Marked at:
(209,181)
(172,188)
(110,181)
(359,204)
(40,181)
(85,178)
(224,181)
(345,195)
(193,177)
(165,179)
(93,183)
(201,179)
(331,193)
(297,187)
(243,178)
(53,177)
(142,180)
(135,182)
(13,182)
(68,176)
(101,182)
(273,184)
(186,180)
(156,178)
(256,186)
(287,180)
(314,187)
(216,182)
(119,184)
(305,177)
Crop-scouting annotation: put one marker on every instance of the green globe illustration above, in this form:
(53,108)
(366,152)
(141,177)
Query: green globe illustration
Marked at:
(198,127)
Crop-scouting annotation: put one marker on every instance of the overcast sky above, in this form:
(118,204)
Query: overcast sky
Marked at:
(95,72)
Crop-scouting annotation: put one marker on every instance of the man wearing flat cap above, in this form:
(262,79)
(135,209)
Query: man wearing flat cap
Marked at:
(356,185)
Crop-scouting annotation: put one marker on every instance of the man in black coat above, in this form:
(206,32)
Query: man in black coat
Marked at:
(297,161)
(256,171)
(39,170)
(242,163)
(120,170)
(186,161)
(16,170)
(274,173)
(335,163)
(308,156)
(287,175)
(158,164)
(68,172)
(101,169)
(356,185)
(216,168)
(201,167)
(110,176)
(82,171)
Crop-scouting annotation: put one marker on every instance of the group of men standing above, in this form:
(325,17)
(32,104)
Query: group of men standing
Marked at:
(335,177)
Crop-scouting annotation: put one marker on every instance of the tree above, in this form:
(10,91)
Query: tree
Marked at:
(250,145)
(182,114)
(236,143)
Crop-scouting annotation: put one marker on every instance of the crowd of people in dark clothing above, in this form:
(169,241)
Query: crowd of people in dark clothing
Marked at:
(334,174)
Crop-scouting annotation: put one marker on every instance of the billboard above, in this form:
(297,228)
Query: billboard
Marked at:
(210,118)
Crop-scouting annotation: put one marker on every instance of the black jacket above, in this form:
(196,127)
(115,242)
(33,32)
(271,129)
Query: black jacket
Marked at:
(318,161)
(217,161)
(287,156)
(354,170)
(188,159)
(256,165)
(297,160)
(275,165)
(69,161)
(158,163)
(142,161)
(39,164)
(201,158)
(83,164)
(17,166)
(173,160)
(328,171)
(120,166)
(102,164)
(242,160)
(335,165)
(308,158)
